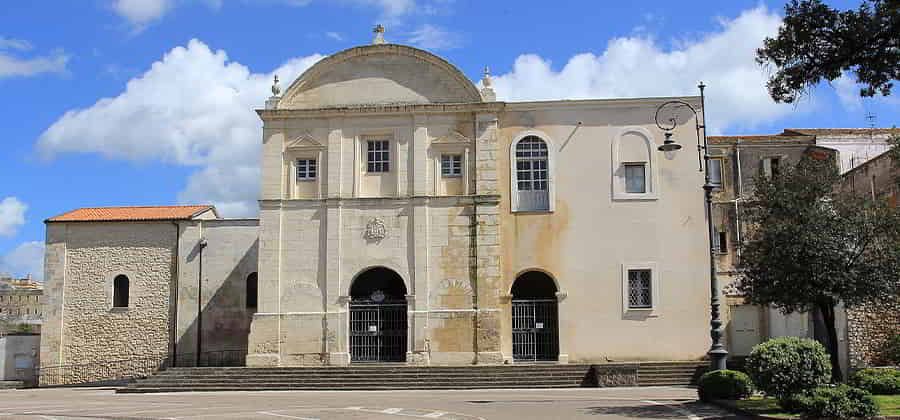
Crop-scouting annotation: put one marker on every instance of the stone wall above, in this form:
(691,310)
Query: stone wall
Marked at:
(82,260)
(868,329)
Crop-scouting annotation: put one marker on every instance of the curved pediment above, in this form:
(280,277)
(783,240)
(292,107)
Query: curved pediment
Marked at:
(379,75)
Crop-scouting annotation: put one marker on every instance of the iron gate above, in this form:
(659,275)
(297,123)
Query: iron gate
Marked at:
(378,332)
(535,330)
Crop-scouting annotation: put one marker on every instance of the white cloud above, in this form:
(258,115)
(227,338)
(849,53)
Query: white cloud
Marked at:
(391,9)
(638,67)
(11,66)
(25,259)
(193,108)
(335,36)
(14,44)
(142,12)
(431,37)
(12,215)
(847,91)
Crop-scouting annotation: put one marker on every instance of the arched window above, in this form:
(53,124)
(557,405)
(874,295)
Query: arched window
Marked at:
(531,177)
(634,165)
(252,297)
(120,291)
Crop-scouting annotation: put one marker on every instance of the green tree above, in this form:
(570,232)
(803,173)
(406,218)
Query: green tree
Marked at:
(810,247)
(817,42)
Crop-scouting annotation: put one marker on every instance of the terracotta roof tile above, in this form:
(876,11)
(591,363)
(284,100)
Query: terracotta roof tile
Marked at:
(138,213)
(841,131)
(782,137)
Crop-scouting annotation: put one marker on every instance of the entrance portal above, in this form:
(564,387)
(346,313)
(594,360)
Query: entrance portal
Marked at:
(378,317)
(535,325)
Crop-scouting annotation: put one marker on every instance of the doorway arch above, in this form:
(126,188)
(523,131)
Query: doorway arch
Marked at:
(378,324)
(535,318)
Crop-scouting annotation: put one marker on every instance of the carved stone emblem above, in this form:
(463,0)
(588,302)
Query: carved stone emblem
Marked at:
(375,230)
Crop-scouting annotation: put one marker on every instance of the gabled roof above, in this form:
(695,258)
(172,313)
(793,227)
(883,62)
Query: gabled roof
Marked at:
(132,214)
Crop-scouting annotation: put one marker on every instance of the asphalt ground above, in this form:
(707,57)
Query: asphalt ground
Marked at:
(511,404)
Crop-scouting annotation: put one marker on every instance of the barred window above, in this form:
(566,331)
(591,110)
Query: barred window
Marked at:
(306,169)
(531,164)
(451,165)
(378,156)
(640,293)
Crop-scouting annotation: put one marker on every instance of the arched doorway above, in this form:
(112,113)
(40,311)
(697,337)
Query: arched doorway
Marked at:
(378,317)
(535,325)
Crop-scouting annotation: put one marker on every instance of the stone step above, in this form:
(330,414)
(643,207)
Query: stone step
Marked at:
(380,375)
(396,376)
(395,369)
(366,380)
(349,387)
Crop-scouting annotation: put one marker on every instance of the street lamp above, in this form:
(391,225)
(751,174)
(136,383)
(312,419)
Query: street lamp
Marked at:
(717,352)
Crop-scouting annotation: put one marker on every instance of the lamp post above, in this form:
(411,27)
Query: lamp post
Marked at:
(717,352)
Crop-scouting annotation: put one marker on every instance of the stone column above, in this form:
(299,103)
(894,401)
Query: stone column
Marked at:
(561,319)
(487,240)
(338,303)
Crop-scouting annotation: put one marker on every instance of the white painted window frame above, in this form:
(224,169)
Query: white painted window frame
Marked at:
(651,172)
(306,177)
(551,172)
(655,278)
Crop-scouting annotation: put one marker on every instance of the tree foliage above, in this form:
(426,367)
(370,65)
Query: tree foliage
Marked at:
(810,247)
(817,42)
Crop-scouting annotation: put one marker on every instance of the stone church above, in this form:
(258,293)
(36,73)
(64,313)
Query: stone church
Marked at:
(406,216)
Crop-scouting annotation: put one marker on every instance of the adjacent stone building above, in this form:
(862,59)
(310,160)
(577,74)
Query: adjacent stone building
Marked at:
(406,216)
(869,327)
(740,159)
(113,277)
(21,302)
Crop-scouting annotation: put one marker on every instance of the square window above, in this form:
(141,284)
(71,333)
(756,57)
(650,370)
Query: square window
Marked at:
(640,292)
(635,178)
(378,156)
(306,169)
(451,165)
(715,172)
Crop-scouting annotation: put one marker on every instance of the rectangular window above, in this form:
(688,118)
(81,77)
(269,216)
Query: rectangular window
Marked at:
(715,172)
(378,156)
(635,178)
(771,166)
(451,165)
(306,169)
(640,293)
(721,244)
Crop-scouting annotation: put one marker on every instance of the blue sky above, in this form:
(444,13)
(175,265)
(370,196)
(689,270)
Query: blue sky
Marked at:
(138,102)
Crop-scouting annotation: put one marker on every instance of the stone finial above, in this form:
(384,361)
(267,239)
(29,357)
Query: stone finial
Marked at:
(276,90)
(272,102)
(486,79)
(487,90)
(379,34)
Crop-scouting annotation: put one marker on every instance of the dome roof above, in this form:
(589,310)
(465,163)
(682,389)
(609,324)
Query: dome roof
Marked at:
(379,74)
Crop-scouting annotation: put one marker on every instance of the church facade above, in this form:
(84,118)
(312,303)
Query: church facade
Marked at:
(408,216)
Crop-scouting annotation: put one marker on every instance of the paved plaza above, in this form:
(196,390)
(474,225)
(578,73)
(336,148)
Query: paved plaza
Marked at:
(583,403)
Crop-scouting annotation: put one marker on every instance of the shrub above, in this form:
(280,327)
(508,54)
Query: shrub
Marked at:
(835,402)
(724,385)
(878,381)
(784,366)
(892,350)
